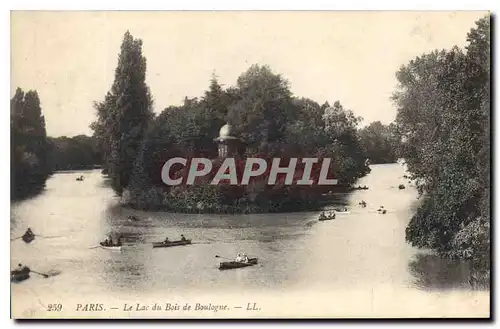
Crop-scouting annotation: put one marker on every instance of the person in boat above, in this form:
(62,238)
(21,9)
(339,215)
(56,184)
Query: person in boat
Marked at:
(183,238)
(166,240)
(238,258)
(110,241)
(119,242)
(21,268)
(28,233)
(244,258)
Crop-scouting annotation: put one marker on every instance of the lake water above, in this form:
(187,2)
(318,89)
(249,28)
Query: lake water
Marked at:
(356,265)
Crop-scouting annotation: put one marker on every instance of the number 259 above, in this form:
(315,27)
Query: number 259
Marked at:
(55,307)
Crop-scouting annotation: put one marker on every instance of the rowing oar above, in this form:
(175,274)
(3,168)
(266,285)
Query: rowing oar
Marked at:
(42,274)
(217,256)
(50,237)
(19,237)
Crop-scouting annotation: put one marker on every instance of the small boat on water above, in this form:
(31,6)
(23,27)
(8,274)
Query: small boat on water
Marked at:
(359,188)
(324,217)
(171,243)
(233,265)
(111,247)
(28,237)
(20,275)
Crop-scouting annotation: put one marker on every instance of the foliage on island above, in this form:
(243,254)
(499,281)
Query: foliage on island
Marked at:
(265,115)
(444,121)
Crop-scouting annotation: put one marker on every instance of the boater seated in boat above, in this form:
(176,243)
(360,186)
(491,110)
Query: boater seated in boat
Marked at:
(238,258)
(183,238)
(244,258)
(21,269)
(166,240)
(108,242)
(28,234)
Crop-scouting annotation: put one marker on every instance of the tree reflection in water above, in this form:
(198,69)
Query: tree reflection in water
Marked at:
(433,272)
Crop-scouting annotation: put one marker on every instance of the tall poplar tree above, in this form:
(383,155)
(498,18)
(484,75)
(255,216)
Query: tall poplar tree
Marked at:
(124,114)
(29,165)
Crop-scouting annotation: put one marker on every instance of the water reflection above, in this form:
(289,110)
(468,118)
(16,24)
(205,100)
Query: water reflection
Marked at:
(432,272)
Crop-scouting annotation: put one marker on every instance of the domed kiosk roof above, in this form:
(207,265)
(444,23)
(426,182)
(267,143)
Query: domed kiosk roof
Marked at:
(225,133)
(226,130)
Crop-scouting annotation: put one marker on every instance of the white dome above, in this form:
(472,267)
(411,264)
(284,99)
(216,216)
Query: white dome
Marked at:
(225,131)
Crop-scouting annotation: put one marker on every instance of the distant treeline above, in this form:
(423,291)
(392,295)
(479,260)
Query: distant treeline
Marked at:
(380,142)
(73,153)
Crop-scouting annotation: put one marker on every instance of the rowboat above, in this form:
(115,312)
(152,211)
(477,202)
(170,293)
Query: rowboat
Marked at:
(28,238)
(326,218)
(115,248)
(171,243)
(19,275)
(231,265)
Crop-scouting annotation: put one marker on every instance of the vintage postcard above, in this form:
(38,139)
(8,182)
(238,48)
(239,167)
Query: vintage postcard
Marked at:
(250,164)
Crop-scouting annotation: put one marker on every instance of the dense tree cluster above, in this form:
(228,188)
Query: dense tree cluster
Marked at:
(271,122)
(380,142)
(28,147)
(444,121)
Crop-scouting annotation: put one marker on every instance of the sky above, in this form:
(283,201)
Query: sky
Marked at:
(70,57)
